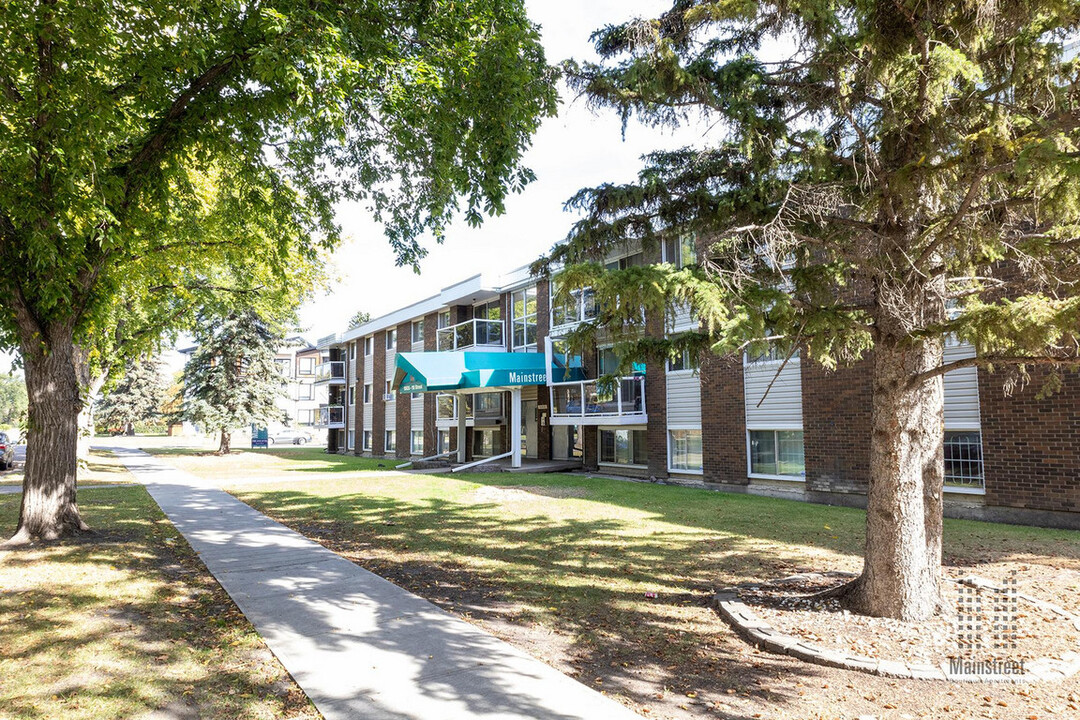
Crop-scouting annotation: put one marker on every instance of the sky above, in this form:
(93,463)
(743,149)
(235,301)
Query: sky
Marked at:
(577,149)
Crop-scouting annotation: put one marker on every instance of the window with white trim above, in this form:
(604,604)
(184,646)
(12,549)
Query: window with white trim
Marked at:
(352,394)
(680,251)
(391,339)
(416,442)
(352,351)
(684,450)
(367,440)
(391,441)
(367,393)
(963,459)
(369,345)
(523,309)
(418,332)
(305,391)
(683,361)
(352,440)
(777,453)
(306,365)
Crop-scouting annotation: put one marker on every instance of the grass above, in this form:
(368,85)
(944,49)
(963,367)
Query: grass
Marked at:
(127,622)
(610,580)
(297,462)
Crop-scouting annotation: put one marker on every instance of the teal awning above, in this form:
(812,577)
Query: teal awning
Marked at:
(435,371)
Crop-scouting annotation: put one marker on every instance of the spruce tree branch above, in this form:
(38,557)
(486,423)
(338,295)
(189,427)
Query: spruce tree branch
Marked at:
(988,360)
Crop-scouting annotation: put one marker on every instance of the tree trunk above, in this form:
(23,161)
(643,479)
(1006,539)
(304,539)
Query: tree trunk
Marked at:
(49,510)
(224,447)
(902,564)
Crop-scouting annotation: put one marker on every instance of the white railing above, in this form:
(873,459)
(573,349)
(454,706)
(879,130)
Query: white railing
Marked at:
(474,463)
(590,399)
(332,416)
(332,371)
(471,333)
(581,307)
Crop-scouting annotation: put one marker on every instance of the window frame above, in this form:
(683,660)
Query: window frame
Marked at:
(369,388)
(390,441)
(526,319)
(631,448)
(391,339)
(776,452)
(413,450)
(965,489)
(369,346)
(414,335)
(366,439)
(671,451)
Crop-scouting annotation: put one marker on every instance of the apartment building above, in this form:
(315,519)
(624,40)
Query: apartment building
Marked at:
(483,361)
(297,359)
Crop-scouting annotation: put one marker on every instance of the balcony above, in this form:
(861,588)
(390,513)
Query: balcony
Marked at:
(480,409)
(471,334)
(332,372)
(331,416)
(591,403)
(581,306)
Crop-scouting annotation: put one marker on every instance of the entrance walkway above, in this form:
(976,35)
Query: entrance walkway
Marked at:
(359,646)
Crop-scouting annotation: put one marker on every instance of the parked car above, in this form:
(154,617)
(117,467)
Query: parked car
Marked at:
(7,451)
(290,436)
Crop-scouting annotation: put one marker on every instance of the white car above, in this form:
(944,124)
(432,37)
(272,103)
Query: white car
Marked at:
(289,436)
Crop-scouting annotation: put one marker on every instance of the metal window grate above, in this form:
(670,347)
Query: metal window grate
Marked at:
(963,459)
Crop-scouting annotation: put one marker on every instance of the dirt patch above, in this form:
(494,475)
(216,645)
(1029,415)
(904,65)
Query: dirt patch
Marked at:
(519,493)
(974,622)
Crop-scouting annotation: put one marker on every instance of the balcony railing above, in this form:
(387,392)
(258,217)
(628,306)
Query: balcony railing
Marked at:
(582,306)
(331,372)
(331,416)
(590,402)
(471,333)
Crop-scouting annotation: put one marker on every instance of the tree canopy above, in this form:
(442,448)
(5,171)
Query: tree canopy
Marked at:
(137,397)
(876,177)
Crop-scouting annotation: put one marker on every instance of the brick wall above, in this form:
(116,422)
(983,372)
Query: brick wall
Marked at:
(358,404)
(378,387)
(836,426)
(723,420)
(431,433)
(543,393)
(403,404)
(1031,447)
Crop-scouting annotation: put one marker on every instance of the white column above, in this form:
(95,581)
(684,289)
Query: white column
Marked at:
(460,428)
(515,427)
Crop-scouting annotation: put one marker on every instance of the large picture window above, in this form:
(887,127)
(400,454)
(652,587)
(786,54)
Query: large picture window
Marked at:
(685,450)
(623,446)
(963,459)
(777,453)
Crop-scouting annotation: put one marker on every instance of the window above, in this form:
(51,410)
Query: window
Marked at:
(369,345)
(523,304)
(352,440)
(367,440)
(284,366)
(681,363)
(777,453)
(963,459)
(388,390)
(623,447)
(391,339)
(488,311)
(444,442)
(305,391)
(635,260)
(418,332)
(416,442)
(484,443)
(306,365)
(367,393)
(488,404)
(391,441)
(352,351)
(685,449)
(305,417)
(680,251)
(352,394)
(444,319)
(446,407)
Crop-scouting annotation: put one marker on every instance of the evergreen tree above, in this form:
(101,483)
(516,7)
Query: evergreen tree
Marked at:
(12,399)
(231,379)
(360,318)
(877,177)
(137,397)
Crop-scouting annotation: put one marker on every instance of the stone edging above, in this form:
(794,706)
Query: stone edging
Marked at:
(751,627)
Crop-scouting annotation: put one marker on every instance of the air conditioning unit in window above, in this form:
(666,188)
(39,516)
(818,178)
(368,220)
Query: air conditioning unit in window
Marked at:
(388,397)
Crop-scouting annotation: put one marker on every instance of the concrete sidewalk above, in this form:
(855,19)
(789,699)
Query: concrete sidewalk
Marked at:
(359,646)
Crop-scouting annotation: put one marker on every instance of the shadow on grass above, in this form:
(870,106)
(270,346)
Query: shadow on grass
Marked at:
(126,621)
(585,578)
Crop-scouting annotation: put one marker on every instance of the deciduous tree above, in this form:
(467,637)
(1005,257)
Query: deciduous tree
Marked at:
(876,177)
(116,116)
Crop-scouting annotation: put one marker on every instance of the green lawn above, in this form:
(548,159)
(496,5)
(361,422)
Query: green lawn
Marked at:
(127,622)
(566,566)
(285,462)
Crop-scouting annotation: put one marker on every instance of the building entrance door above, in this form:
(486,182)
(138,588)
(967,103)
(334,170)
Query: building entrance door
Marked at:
(528,429)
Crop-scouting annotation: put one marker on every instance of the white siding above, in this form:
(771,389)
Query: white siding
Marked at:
(367,416)
(683,319)
(782,408)
(961,390)
(683,400)
(417,411)
(369,371)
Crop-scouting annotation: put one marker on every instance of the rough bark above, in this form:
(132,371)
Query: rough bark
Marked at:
(225,444)
(902,562)
(49,510)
